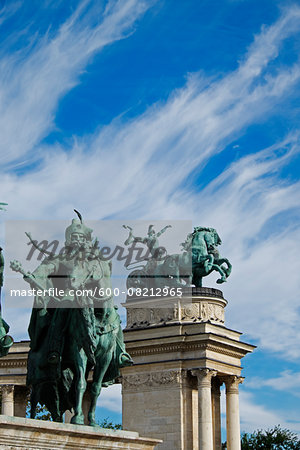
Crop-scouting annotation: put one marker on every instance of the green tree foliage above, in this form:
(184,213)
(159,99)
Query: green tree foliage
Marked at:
(106,423)
(272,439)
(42,412)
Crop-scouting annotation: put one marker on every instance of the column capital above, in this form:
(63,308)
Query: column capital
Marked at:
(204,376)
(232,383)
(7,388)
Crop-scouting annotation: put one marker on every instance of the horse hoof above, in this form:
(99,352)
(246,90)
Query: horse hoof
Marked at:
(92,423)
(92,420)
(77,420)
(220,281)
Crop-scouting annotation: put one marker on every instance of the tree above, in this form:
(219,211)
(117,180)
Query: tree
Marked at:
(106,423)
(42,412)
(272,439)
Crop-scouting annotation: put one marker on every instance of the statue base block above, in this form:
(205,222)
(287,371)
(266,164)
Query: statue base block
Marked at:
(16,433)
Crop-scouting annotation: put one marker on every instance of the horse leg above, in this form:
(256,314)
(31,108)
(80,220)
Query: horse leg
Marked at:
(54,405)
(208,263)
(196,278)
(99,372)
(78,418)
(227,269)
(222,273)
(176,277)
(33,402)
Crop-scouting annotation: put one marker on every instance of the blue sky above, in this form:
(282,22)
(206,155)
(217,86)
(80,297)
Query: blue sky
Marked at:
(142,110)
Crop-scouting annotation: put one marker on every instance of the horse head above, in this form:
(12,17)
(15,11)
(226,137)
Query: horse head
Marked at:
(217,238)
(212,239)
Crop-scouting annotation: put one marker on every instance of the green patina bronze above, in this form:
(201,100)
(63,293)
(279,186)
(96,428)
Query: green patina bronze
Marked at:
(199,258)
(6,341)
(71,334)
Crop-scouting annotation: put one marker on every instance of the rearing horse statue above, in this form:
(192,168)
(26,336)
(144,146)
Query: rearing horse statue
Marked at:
(205,256)
(199,258)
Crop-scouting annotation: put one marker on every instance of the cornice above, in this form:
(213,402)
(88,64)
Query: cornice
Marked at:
(184,347)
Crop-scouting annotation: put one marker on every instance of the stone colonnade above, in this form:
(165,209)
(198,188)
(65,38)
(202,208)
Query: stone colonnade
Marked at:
(14,400)
(209,409)
(182,407)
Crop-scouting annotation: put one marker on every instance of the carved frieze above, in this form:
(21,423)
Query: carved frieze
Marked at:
(140,381)
(184,310)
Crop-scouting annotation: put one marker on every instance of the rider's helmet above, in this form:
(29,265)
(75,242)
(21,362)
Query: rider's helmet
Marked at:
(77,227)
(151,230)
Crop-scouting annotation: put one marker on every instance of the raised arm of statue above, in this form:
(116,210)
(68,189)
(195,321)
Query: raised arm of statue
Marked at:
(163,230)
(131,238)
(39,277)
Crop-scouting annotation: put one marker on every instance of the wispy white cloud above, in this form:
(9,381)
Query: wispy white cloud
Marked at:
(255,415)
(7,10)
(35,78)
(139,169)
(194,124)
(263,288)
(288,381)
(111,398)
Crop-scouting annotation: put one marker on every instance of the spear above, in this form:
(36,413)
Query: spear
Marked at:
(16,266)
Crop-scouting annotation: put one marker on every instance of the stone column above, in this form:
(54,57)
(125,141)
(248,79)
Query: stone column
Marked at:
(189,429)
(7,391)
(20,400)
(205,420)
(216,412)
(232,412)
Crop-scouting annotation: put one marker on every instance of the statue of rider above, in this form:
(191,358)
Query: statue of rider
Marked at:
(51,313)
(151,240)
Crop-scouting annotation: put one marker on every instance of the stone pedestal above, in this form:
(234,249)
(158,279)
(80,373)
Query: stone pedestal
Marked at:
(33,434)
(182,353)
